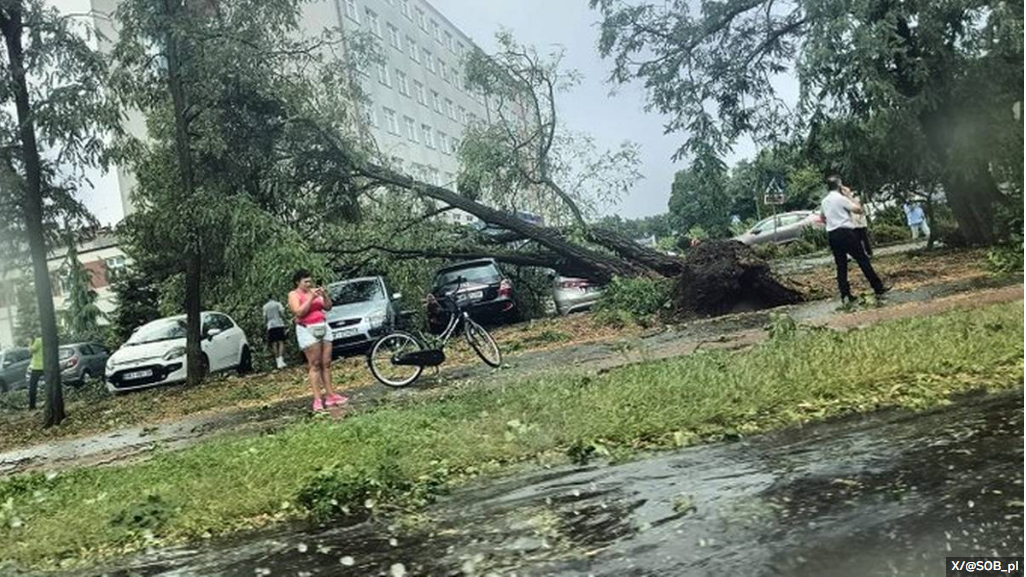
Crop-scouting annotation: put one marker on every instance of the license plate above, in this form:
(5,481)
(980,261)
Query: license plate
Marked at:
(138,375)
(343,333)
(471,295)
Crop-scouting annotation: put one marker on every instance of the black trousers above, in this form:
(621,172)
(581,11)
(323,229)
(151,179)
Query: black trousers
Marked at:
(844,242)
(863,236)
(33,384)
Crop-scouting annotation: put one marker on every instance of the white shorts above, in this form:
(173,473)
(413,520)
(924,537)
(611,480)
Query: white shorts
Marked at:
(305,335)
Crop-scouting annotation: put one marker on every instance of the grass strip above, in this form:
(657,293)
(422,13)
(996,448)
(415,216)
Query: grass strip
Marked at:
(407,453)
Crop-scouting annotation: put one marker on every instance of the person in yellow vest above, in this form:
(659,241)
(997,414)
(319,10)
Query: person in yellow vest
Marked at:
(36,368)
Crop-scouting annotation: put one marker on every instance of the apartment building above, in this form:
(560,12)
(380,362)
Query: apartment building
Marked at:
(99,254)
(419,102)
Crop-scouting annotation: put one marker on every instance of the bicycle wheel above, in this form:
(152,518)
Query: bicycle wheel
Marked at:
(381,359)
(482,343)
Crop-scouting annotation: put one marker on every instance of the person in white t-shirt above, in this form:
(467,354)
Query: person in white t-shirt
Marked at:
(838,211)
(274,319)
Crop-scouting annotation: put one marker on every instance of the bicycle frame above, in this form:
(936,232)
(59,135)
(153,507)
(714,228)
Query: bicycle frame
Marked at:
(454,322)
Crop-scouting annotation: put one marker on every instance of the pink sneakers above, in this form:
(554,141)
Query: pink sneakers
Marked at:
(336,399)
(318,406)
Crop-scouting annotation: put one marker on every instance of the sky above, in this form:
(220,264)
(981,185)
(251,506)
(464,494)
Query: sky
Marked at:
(589,107)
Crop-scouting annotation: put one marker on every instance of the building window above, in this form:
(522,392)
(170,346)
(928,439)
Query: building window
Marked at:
(460,49)
(429,135)
(429,61)
(436,101)
(418,91)
(414,51)
(443,142)
(351,12)
(436,31)
(394,39)
(443,70)
(370,115)
(434,177)
(450,41)
(404,85)
(421,20)
(454,145)
(383,76)
(463,115)
(373,23)
(391,122)
(404,7)
(450,109)
(411,129)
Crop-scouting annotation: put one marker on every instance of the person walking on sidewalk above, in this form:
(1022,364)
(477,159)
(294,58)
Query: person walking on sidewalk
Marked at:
(274,318)
(313,334)
(35,370)
(916,219)
(838,210)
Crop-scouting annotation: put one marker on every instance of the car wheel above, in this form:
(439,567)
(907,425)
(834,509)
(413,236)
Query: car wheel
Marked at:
(245,361)
(86,377)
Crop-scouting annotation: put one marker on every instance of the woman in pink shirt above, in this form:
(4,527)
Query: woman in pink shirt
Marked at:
(314,336)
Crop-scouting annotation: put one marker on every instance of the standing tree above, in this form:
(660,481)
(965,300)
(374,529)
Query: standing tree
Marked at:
(80,319)
(55,84)
(949,73)
(136,303)
(229,188)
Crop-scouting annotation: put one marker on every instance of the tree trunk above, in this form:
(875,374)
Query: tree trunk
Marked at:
(663,264)
(973,197)
(183,148)
(11,28)
(584,261)
(969,186)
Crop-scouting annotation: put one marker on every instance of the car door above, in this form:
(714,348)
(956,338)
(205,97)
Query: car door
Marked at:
(222,342)
(17,362)
(235,338)
(789,227)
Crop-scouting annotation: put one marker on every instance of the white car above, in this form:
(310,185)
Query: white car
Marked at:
(155,353)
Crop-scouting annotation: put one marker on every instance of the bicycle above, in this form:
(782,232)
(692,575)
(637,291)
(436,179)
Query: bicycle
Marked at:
(407,354)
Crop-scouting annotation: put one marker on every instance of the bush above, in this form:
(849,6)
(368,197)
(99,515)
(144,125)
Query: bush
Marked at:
(768,251)
(632,300)
(817,237)
(1005,259)
(889,233)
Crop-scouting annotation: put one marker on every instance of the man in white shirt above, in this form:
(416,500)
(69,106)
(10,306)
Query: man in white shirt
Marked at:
(274,317)
(838,211)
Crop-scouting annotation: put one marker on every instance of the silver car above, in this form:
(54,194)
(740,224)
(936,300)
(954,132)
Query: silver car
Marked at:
(362,309)
(574,294)
(13,364)
(782,228)
(80,363)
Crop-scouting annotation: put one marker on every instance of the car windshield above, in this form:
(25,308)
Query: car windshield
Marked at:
(162,330)
(355,292)
(480,273)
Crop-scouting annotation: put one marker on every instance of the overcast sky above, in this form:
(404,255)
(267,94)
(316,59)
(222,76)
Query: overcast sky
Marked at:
(590,107)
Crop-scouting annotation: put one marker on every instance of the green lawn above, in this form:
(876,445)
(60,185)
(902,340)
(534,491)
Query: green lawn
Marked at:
(403,454)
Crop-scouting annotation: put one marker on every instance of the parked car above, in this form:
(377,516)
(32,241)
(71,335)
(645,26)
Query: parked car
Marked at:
(362,309)
(13,364)
(155,353)
(782,228)
(80,363)
(484,290)
(574,294)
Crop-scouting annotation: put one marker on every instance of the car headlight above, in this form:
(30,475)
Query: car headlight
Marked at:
(376,319)
(174,353)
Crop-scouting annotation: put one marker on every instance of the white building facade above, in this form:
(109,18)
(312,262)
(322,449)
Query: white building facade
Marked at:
(419,103)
